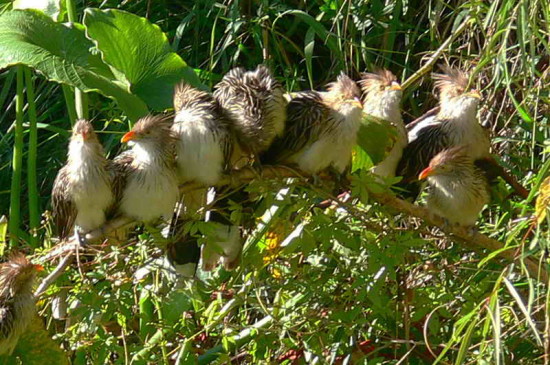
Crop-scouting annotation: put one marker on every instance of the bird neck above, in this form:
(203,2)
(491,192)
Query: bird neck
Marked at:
(383,109)
(455,110)
(85,156)
(459,176)
(148,153)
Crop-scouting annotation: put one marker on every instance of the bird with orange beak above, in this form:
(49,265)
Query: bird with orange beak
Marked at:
(457,189)
(454,124)
(381,99)
(17,302)
(82,192)
(321,128)
(146,174)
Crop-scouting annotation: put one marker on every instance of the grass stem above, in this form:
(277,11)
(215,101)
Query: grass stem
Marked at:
(17,162)
(32,185)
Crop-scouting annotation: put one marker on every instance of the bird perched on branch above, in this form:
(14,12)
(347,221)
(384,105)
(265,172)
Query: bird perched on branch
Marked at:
(205,147)
(457,189)
(454,124)
(381,98)
(255,104)
(321,128)
(82,192)
(17,302)
(146,174)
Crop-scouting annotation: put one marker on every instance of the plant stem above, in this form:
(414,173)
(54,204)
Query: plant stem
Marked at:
(34,208)
(81,101)
(69,100)
(17,164)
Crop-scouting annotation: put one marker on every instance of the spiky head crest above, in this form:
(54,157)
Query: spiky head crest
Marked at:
(85,130)
(377,80)
(189,97)
(16,274)
(345,87)
(452,157)
(451,83)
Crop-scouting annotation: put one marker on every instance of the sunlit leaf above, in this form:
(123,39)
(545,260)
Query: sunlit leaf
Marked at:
(139,55)
(48,7)
(61,53)
(543,200)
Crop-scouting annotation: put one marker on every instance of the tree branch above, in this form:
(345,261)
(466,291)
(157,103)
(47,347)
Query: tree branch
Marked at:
(475,241)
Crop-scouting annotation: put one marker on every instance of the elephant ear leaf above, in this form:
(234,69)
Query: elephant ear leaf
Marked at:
(61,53)
(48,7)
(139,55)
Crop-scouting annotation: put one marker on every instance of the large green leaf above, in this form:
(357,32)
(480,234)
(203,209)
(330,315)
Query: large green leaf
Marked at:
(62,54)
(48,7)
(139,55)
(376,138)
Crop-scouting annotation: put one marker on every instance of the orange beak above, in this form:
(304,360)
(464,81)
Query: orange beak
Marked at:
(84,136)
(395,86)
(356,102)
(428,171)
(128,137)
(474,94)
(38,267)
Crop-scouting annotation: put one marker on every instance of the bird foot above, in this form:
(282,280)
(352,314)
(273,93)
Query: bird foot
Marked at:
(80,238)
(472,231)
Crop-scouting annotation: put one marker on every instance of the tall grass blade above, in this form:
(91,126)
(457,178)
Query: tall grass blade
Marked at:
(17,162)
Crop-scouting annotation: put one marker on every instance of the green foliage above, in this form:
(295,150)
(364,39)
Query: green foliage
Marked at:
(145,65)
(61,54)
(358,283)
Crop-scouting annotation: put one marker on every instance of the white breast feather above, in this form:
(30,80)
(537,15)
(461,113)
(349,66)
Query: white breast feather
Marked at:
(88,188)
(199,155)
(332,149)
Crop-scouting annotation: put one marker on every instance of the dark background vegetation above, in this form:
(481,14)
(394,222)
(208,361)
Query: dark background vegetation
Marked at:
(341,291)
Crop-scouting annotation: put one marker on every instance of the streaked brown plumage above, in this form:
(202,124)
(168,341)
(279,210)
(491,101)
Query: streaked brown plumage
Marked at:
(204,140)
(321,128)
(458,190)
(146,179)
(205,150)
(255,104)
(17,302)
(381,99)
(454,124)
(82,192)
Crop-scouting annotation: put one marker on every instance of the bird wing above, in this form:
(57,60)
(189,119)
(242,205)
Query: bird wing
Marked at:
(119,169)
(423,146)
(308,118)
(6,320)
(429,115)
(64,209)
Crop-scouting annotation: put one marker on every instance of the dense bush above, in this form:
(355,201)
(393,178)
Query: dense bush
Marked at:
(359,284)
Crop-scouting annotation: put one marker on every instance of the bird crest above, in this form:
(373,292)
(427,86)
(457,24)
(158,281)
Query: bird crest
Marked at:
(455,155)
(15,272)
(451,83)
(186,96)
(372,81)
(344,86)
(151,123)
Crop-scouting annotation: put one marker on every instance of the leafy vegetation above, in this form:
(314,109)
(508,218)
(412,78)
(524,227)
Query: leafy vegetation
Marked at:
(360,283)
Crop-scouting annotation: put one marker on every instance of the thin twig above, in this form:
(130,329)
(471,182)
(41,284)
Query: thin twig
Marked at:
(50,279)
(433,58)
(463,234)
